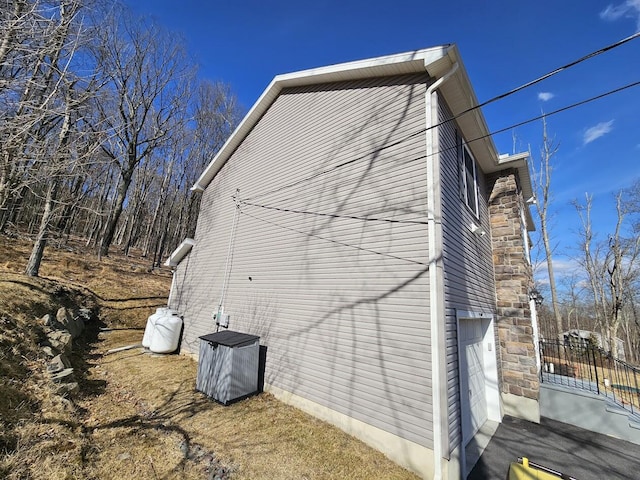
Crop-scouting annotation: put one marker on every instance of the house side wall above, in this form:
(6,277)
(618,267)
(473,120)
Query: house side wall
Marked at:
(467,258)
(329,263)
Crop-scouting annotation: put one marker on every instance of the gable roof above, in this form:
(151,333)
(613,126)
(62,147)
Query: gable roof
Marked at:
(436,61)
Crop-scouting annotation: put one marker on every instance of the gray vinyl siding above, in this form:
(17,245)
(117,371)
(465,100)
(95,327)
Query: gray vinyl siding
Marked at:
(467,260)
(330,256)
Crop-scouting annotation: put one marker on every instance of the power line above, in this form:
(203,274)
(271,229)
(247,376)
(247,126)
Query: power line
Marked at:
(539,79)
(559,110)
(320,237)
(368,154)
(335,215)
(553,72)
(503,95)
(340,165)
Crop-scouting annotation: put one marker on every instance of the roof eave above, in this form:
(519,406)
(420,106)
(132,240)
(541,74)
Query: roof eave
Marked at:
(520,162)
(436,61)
(460,96)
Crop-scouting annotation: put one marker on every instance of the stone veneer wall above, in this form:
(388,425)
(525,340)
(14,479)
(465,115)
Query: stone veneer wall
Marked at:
(517,365)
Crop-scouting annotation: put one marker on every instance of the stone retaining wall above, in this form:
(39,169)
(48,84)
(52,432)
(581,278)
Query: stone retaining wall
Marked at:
(58,344)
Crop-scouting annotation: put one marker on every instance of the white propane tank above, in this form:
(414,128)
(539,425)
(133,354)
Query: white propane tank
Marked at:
(151,326)
(167,333)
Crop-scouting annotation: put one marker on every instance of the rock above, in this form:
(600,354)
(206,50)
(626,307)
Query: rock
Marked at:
(67,405)
(124,456)
(196,453)
(74,325)
(63,316)
(85,314)
(63,376)
(60,340)
(58,364)
(67,388)
(48,351)
(184,448)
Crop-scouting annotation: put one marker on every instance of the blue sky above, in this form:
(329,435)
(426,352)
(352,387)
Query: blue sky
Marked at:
(503,43)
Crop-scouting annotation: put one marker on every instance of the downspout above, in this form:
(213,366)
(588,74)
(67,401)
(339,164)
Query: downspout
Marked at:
(173,286)
(435,258)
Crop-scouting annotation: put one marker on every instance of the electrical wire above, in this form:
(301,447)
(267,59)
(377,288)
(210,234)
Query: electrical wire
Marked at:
(494,99)
(410,221)
(335,215)
(551,73)
(307,234)
(559,110)
(340,165)
(376,151)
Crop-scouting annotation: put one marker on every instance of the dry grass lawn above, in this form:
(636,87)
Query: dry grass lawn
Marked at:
(137,414)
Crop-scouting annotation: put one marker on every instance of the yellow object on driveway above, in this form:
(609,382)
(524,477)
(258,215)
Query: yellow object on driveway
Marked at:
(525,470)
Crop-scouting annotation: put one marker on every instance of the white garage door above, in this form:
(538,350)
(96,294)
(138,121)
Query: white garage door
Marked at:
(472,379)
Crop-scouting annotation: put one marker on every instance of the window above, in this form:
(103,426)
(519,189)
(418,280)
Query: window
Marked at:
(468,178)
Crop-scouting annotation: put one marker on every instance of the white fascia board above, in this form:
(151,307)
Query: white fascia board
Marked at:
(179,253)
(506,158)
(398,64)
(408,62)
(238,135)
(461,96)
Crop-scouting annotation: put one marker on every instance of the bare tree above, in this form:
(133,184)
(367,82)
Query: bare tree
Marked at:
(541,180)
(53,172)
(572,301)
(611,267)
(31,45)
(214,115)
(71,148)
(38,43)
(148,82)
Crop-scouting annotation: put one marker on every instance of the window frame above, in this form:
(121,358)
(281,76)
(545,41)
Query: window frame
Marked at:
(465,155)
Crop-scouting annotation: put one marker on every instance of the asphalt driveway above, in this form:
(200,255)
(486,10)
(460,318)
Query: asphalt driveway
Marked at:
(571,450)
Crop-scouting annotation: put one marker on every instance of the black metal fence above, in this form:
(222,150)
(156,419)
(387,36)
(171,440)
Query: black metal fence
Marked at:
(585,366)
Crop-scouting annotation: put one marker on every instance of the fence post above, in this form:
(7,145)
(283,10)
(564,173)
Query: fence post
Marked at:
(635,378)
(541,351)
(595,367)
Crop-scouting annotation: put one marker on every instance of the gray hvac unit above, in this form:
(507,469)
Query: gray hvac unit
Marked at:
(228,365)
